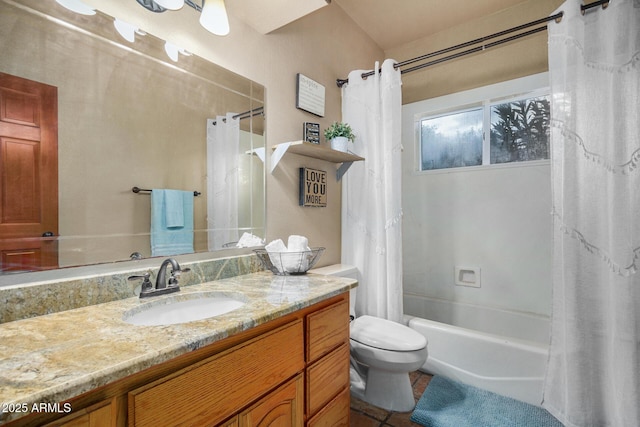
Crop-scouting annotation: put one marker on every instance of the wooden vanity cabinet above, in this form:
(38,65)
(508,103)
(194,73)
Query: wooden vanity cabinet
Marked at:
(291,371)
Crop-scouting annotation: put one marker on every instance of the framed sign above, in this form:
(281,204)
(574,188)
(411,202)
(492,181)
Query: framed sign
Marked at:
(309,95)
(313,187)
(311,132)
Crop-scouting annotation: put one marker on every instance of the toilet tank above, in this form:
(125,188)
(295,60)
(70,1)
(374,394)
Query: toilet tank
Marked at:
(342,270)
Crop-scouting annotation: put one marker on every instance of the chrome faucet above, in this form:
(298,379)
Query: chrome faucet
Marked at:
(163,286)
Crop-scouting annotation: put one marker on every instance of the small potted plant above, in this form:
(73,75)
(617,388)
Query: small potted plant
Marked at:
(339,134)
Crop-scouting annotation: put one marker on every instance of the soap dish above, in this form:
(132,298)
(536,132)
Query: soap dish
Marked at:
(289,263)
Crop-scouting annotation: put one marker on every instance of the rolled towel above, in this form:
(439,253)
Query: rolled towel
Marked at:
(275,249)
(298,243)
(299,261)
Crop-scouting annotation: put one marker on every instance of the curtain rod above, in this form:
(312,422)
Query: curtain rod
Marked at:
(557,17)
(255,112)
(585,7)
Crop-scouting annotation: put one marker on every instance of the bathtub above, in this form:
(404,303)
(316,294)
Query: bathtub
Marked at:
(505,365)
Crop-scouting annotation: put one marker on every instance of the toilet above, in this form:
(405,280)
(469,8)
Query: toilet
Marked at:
(382,354)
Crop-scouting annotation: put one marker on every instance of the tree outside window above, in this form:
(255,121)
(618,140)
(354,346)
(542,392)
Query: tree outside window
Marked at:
(520,130)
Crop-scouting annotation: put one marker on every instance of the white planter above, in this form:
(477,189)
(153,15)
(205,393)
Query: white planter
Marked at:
(340,143)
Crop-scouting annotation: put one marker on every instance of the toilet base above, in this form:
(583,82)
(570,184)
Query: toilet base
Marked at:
(387,390)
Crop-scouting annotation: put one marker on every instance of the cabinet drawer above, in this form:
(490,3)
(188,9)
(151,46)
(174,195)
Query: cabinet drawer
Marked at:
(210,391)
(335,414)
(327,329)
(326,378)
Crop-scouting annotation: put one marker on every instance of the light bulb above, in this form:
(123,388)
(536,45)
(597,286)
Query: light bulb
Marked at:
(170,4)
(172,51)
(77,6)
(125,29)
(214,17)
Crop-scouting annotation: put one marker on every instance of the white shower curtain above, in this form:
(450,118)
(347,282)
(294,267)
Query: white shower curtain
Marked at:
(593,373)
(223,146)
(372,208)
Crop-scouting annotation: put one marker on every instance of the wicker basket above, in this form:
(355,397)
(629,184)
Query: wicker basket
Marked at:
(289,263)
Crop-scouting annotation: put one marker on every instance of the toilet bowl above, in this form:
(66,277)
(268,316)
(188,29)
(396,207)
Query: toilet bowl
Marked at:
(382,354)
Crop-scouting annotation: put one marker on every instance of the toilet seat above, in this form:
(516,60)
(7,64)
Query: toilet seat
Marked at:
(385,334)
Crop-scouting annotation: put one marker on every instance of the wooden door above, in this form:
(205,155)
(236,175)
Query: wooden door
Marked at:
(28,174)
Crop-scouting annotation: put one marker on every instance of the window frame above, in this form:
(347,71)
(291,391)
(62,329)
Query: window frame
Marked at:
(465,101)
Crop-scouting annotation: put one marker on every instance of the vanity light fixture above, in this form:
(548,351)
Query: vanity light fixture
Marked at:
(213,13)
(77,6)
(214,17)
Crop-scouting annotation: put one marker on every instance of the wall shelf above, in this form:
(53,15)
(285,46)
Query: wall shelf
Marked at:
(315,151)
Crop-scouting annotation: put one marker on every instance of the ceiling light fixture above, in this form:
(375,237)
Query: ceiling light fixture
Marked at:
(77,6)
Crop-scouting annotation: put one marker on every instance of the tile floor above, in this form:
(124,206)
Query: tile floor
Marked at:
(365,415)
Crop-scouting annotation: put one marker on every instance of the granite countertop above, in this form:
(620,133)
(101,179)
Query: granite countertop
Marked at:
(55,357)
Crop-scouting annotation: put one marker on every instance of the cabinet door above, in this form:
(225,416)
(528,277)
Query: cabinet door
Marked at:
(98,415)
(280,408)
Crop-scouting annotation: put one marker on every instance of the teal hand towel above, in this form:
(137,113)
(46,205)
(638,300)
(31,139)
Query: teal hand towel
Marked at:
(168,208)
(174,208)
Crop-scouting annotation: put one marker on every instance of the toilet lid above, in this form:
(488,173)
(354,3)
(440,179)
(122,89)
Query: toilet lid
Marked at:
(385,334)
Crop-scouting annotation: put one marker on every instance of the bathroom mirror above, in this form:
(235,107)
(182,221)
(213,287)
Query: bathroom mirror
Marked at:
(128,116)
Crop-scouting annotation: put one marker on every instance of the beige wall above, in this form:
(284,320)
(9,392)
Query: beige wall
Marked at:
(505,62)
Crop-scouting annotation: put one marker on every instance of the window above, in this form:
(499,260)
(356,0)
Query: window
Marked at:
(494,132)
(452,140)
(520,130)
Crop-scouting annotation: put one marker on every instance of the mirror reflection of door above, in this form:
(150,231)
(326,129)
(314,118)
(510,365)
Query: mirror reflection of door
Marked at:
(28,174)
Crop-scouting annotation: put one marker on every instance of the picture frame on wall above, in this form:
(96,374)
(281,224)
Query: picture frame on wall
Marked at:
(310,95)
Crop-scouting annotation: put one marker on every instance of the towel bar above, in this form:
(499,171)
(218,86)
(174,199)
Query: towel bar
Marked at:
(137,190)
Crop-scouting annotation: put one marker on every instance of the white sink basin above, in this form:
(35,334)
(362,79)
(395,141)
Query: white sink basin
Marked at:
(183,309)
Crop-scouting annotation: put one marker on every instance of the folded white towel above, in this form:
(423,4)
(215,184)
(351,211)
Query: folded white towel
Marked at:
(248,240)
(276,246)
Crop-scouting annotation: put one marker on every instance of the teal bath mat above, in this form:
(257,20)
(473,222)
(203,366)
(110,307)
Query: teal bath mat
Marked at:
(448,403)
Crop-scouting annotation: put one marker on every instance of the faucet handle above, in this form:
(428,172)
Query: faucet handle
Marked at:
(146,283)
(175,274)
